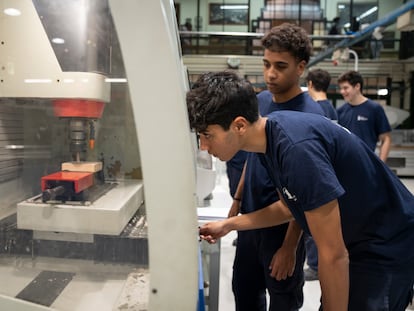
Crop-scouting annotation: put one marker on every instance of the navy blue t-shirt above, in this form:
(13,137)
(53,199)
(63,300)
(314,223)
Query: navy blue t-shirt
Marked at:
(313,161)
(258,191)
(234,169)
(328,109)
(367,121)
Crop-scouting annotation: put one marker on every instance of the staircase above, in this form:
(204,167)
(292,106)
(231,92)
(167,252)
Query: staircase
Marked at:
(364,33)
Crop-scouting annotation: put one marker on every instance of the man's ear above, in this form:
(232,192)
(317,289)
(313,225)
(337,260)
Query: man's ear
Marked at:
(239,124)
(301,66)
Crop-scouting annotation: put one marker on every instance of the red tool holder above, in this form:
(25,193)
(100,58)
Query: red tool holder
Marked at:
(78,108)
(80,180)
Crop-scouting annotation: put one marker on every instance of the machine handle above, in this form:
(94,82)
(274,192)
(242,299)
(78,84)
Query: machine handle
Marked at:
(52,193)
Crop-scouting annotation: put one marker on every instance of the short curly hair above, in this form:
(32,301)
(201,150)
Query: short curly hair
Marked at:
(289,38)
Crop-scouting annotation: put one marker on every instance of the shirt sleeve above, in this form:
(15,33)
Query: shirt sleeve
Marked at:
(308,172)
(382,124)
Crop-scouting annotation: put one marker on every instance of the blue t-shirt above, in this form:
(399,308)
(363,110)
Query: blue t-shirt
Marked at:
(328,109)
(258,191)
(367,121)
(313,161)
(234,169)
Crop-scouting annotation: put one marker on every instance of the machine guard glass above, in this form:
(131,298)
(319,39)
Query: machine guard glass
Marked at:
(87,191)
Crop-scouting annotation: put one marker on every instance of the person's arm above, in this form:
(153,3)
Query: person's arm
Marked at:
(385,145)
(235,206)
(333,262)
(284,260)
(272,215)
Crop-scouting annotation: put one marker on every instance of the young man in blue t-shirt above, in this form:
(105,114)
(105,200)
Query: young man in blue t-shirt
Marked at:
(272,258)
(362,116)
(359,213)
(318,81)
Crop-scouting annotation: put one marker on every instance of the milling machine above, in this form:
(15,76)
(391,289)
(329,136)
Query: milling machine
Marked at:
(82,130)
(83,201)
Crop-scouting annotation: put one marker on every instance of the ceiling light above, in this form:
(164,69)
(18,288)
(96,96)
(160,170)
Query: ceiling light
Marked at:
(12,12)
(234,7)
(382,92)
(369,12)
(58,40)
(116,80)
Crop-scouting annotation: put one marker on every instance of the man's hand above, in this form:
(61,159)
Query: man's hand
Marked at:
(212,231)
(283,263)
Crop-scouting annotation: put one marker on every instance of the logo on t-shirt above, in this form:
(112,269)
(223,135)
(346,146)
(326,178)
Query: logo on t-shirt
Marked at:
(288,195)
(361,118)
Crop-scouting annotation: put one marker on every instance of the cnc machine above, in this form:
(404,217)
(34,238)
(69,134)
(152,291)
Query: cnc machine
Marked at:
(97,162)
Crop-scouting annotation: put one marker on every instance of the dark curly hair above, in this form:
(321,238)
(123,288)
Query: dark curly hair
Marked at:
(218,98)
(289,38)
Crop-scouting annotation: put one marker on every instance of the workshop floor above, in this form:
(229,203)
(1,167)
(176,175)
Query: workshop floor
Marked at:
(221,199)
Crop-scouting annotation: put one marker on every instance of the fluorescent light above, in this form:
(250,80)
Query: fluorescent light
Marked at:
(369,12)
(341,6)
(14,147)
(12,12)
(68,80)
(58,40)
(233,7)
(116,80)
(382,92)
(37,80)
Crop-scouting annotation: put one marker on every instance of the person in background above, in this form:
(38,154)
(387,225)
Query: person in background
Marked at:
(272,258)
(355,25)
(359,213)
(317,81)
(334,30)
(185,38)
(376,42)
(362,116)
